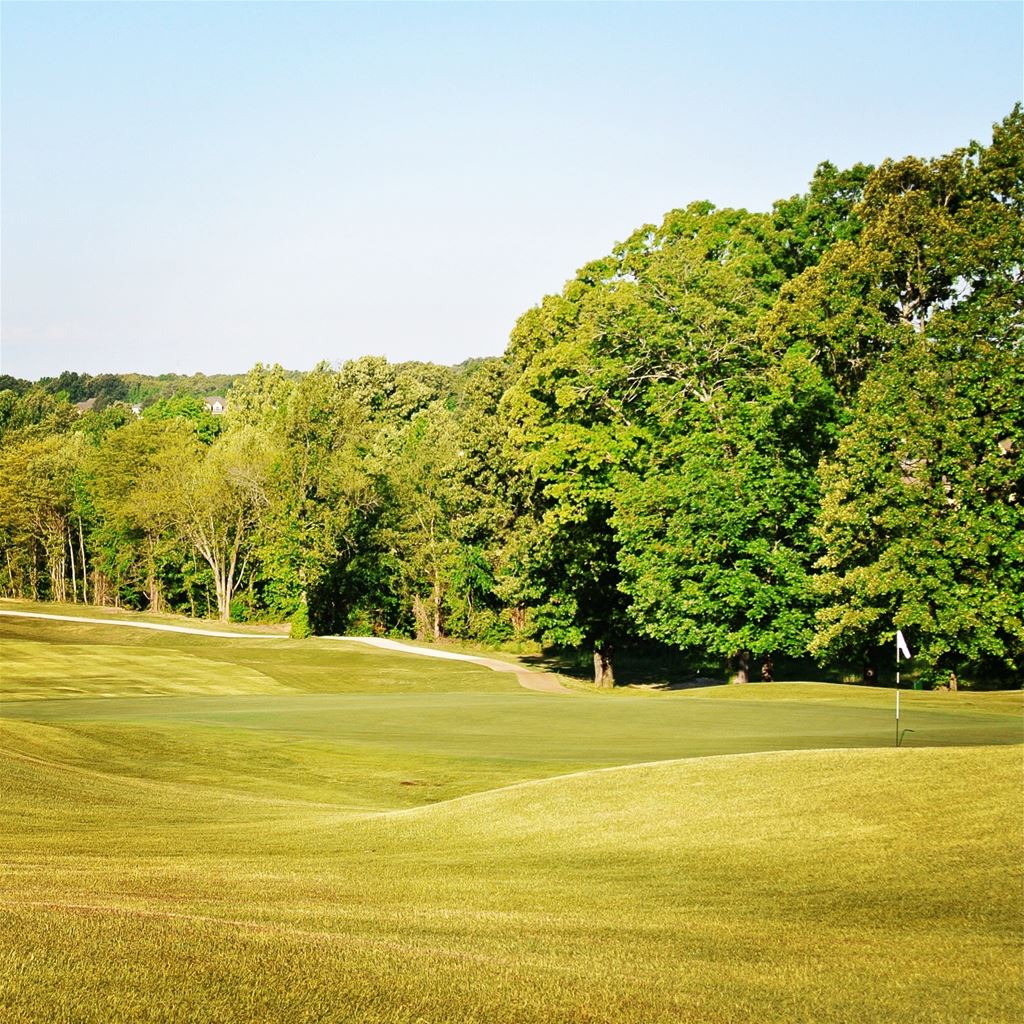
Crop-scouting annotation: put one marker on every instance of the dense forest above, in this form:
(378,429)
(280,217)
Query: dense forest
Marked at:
(748,437)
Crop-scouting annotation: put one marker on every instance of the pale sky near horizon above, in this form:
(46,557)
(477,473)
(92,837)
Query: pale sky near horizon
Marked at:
(198,187)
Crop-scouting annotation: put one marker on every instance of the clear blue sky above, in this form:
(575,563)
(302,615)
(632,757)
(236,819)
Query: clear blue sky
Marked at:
(201,186)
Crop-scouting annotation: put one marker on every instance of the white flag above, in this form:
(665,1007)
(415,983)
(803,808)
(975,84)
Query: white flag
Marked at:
(901,646)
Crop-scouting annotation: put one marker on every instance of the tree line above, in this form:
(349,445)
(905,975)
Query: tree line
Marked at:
(108,388)
(747,436)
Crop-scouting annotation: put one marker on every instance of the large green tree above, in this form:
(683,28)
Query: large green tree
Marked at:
(608,372)
(319,492)
(39,492)
(922,519)
(716,542)
(134,539)
(217,504)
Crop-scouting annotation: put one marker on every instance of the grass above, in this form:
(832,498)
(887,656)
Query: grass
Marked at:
(348,835)
(88,611)
(46,659)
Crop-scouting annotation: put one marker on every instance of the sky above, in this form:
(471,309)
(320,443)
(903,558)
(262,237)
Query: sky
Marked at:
(203,186)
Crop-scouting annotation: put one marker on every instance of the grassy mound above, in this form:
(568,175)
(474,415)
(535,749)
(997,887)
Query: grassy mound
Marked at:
(824,885)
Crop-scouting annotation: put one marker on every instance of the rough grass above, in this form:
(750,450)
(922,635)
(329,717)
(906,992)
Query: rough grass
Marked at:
(383,838)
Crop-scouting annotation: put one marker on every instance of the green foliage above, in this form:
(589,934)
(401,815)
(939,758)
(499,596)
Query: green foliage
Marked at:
(636,348)
(809,225)
(921,519)
(318,489)
(110,388)
(644,462)
(931,235)
(135,547)
(190,410)
(33,412)
(300,627)
(716,543)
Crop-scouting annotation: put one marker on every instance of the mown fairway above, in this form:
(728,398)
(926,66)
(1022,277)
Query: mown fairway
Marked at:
(213,830)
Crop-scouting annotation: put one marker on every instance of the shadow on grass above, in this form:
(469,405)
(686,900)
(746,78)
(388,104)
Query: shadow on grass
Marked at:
(660,668)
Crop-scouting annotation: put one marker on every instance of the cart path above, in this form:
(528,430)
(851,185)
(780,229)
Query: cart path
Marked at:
(543,682)
(159,626)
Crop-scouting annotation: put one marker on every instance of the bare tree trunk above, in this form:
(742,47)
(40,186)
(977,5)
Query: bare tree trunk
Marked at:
(952,682)
(517,616)
(85,568)
(223,597)
(152,583)
(74,574)
(57,565)
(436,610)
(767,669)
(10,572)
(420,617)
(604,672)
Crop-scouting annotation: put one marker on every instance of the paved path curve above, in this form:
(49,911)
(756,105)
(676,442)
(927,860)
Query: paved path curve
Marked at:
(541,681)
(161,627)
(544,682)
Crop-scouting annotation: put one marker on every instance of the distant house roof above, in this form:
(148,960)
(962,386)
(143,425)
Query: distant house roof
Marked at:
(86,406)
(215,403)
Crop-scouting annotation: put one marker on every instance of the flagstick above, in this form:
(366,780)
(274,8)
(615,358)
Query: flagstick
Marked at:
(897,693)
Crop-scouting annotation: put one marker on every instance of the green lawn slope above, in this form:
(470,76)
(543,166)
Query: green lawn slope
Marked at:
(198,829)
(869,885)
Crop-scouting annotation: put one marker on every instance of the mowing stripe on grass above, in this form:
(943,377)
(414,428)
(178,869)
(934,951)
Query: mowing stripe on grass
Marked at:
(540,681)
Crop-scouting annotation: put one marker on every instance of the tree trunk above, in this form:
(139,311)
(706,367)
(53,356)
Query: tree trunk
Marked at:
(85,568)
(74,574)
(767,669)
(57,565)
(420,617)
(154,596)
(952,682)
(437,608)
(604,673)
(742,673)
(517,616)
(223,599)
